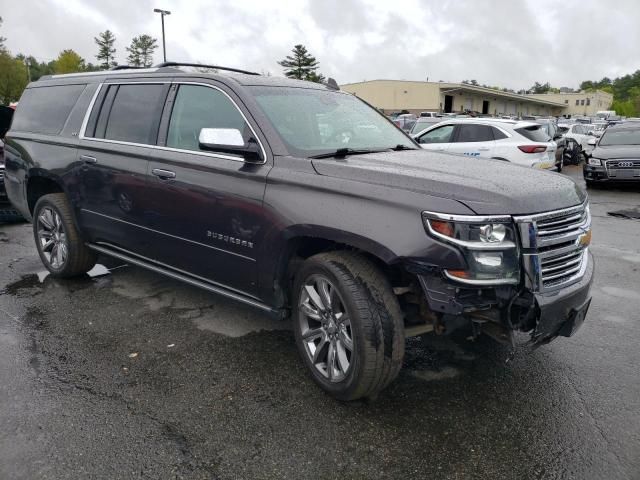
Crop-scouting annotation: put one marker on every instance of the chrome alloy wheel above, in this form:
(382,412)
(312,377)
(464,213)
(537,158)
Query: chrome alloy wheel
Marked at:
(325,328)
(52,238)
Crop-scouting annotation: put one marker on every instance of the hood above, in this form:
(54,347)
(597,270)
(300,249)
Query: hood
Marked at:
(486,186)
(616,151)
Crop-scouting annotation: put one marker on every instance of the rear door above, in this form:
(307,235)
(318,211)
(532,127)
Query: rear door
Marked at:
(113,159)
(437,139)
(207,211)
(474,140)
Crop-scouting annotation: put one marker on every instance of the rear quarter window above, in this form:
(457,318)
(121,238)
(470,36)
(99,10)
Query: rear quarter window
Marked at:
(535,133)
(46,109)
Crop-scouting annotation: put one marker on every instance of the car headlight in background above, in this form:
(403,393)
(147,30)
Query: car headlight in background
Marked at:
(489,245)
(596,162)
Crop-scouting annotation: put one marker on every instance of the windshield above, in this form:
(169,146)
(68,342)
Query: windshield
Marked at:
(313,122)
(620,137)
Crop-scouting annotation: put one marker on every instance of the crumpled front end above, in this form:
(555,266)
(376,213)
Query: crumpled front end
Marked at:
(551,296)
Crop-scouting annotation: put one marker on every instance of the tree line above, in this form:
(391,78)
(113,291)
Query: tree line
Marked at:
(16,71)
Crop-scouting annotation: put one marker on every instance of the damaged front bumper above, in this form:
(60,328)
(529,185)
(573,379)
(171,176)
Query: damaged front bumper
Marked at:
(498,311)
(562,312)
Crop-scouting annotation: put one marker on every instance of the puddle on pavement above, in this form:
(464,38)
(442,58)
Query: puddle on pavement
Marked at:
(206,310)
(32,284)
(631,214)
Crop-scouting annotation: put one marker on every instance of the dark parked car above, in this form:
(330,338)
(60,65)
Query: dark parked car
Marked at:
(551,128)
(7,212)
(249,186)
(615,157)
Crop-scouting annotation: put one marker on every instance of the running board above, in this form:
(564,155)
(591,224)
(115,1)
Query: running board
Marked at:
(186,278)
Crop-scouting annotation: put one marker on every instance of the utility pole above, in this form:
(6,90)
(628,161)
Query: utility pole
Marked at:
(162,14)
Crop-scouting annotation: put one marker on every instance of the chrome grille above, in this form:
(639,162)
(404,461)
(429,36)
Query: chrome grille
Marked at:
(623,168)
(555,246)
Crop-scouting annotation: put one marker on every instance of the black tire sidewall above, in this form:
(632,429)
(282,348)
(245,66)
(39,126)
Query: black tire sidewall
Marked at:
(40,205)
(346,387)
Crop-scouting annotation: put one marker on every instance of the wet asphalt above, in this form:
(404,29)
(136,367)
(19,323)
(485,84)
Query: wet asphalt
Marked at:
(126,374)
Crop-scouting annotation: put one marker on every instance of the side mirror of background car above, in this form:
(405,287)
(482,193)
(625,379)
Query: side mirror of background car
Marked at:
(558,136)
(229,140)
(592,142)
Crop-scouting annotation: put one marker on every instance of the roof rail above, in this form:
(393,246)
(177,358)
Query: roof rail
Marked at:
(125,67)
(184,64)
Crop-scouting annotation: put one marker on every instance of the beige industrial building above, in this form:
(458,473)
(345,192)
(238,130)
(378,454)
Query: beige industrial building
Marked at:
(581,103)
(396,95)
(415,97)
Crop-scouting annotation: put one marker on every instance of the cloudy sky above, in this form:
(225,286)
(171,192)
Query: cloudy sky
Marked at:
(509,43)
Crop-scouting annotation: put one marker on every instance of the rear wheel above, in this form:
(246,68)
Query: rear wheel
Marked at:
(59,244)
(348,325)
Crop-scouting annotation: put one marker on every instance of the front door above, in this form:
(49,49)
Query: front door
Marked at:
(113,158)
(207,207)
(437,139)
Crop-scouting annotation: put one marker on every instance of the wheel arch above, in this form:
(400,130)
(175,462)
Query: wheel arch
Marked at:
(40,183)
(300,244)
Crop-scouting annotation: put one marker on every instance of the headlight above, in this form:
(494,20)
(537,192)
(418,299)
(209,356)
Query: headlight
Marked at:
(489,245)
(595,162)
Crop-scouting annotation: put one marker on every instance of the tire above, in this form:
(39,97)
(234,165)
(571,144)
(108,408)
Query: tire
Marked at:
(376,327)
(9,215)
(59,244)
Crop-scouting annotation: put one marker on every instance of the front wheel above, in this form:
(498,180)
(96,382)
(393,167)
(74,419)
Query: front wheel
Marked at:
(59,244)
(348,325)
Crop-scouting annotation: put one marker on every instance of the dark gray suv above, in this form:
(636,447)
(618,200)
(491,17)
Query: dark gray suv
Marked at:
(302,201)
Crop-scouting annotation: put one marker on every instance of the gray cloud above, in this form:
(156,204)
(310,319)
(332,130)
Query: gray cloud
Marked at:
(509,43)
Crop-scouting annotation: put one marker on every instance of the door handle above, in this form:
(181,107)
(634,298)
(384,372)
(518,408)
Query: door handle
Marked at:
(163,174)
(484,149)
(88,159)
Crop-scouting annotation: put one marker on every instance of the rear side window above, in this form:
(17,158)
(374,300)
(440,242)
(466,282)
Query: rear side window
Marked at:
(498,134)
(134,114)
(535,133)
(474,133)
(46,109)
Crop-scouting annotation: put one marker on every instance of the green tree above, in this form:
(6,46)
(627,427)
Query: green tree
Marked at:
(540,87)
(13,77)
(69,62)
(2,39)
(141,51)
(301,65)
(106,51)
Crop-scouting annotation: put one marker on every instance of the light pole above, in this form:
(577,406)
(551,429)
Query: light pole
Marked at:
(162,14)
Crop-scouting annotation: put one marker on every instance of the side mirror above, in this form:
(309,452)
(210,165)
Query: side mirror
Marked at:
(558,136)
(229,140)
(592,142)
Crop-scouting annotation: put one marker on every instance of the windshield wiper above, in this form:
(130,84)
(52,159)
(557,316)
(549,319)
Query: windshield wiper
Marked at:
(343,152)
(399,147)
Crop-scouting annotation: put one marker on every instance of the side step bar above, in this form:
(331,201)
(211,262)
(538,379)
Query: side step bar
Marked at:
(183,277)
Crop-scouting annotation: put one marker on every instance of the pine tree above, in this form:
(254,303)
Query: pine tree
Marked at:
(301,65)
(2,39)
(141,51)
(106,50)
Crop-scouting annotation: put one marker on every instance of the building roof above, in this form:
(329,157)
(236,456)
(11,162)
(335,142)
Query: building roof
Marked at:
(465,87)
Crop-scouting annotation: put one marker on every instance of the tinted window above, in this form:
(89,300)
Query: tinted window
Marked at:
(45,109)
(135,113)
(438,135)
(535,133)
(474,133)
(197,107)
(498,134)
